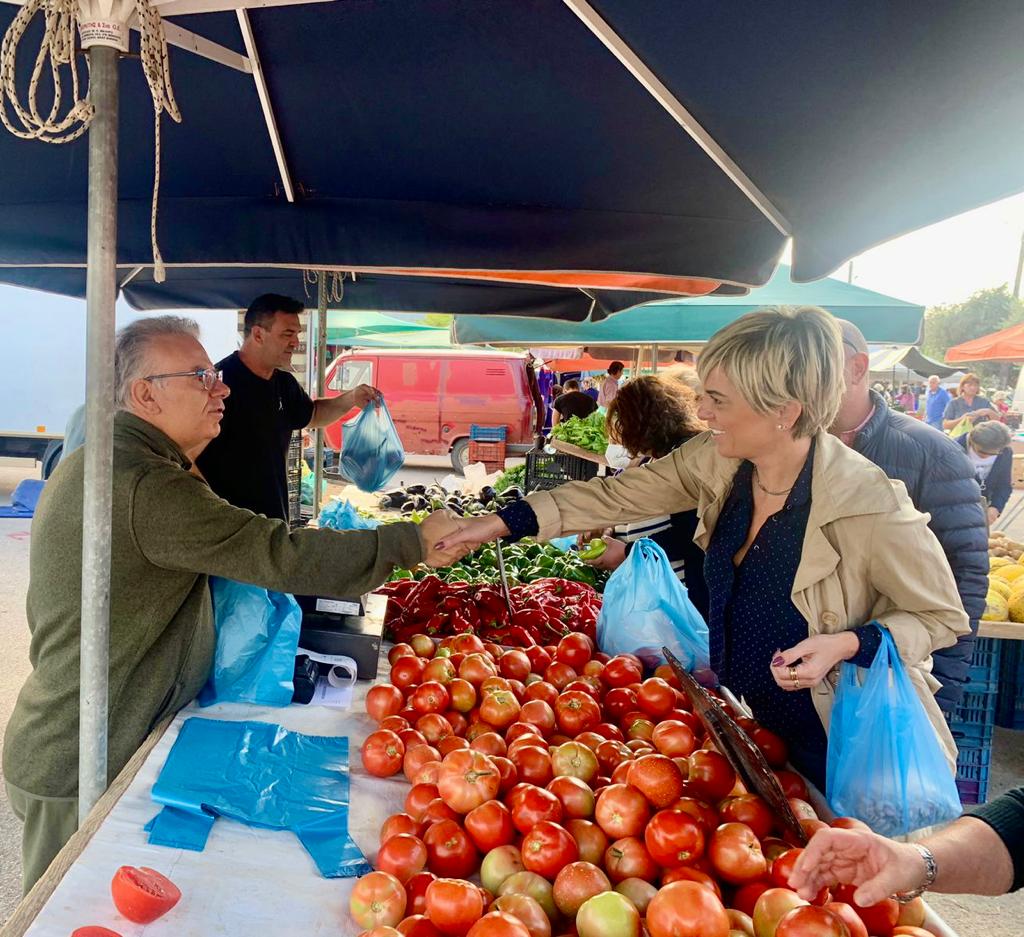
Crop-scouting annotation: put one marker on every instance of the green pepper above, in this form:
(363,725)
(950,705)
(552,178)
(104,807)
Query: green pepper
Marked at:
(593,550)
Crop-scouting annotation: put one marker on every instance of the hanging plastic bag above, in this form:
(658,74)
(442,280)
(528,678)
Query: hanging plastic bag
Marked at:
(371,451)
(885,764)
(257,639)
(646,608)
(342,515)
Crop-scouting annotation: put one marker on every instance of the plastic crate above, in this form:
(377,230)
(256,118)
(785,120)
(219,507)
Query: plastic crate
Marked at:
(488,433)
(544,471)
(984,674)
(1010,698)
(974,719)
(972,771)
(492,454)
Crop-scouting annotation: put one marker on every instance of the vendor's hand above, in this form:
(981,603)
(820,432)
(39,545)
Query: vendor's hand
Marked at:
(993,515)
(360,396)
(613,557)
(435,527)
(471,533)
(806,664)
(583,539)
(879,866)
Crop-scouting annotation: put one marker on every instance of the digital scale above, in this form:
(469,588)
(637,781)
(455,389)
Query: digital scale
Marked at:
(349,627)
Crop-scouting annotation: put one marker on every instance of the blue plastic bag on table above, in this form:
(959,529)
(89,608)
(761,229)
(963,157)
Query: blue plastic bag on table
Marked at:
(886,765)
(341,515)
(646,608)
(257,638)
(371,452)
(264,776)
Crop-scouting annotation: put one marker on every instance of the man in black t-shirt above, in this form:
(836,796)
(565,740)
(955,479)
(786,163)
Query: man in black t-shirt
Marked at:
(572,403)
(246,463)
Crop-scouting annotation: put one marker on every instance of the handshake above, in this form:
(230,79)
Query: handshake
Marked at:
(447,538)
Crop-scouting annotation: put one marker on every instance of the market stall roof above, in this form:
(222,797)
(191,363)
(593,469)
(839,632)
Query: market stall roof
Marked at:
(1005,345)
(642,141)
(423,338)
(909,358)
(582,363)
(681,322)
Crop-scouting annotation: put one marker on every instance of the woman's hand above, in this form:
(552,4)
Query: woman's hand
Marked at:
(471,533)
(993,515)
(613,557)
(806,664)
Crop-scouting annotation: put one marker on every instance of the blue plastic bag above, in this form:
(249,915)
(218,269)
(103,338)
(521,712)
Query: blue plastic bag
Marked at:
(565,544)
(371,452)
(264,776)
(341,515)
(257,638)
(646,608)
(885,763)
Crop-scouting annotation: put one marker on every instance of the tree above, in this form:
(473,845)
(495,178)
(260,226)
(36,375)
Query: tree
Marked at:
(439,320)
(985,312)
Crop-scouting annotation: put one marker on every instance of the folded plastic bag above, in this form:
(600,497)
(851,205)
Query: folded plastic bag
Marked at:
(264,776)
(646,608)
(885,763)
(341,515)
(371,451)
(257,638)
(563,543)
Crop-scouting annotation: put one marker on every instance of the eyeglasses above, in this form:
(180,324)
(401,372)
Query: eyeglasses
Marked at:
(208,377)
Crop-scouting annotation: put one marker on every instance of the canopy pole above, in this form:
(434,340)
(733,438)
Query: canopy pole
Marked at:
(654,357)
(101,294)
(321,367)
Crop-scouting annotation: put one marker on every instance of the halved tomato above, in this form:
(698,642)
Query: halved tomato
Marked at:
(142,895)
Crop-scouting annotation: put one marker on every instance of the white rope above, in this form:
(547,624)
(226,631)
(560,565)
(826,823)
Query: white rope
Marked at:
(58,47)
(335,283)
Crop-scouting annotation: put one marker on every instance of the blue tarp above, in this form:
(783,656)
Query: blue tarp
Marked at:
(503,134)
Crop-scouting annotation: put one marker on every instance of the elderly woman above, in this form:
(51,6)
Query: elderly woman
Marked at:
(968,402)
(798,529)
(988,448)
(650,417)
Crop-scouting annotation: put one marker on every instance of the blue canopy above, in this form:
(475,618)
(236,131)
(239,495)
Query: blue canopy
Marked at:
(502,134)
(680,322)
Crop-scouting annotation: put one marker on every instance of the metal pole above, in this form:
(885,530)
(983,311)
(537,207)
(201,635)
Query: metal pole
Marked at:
(654,357)
(101,294)
(1020,268)
(321,367)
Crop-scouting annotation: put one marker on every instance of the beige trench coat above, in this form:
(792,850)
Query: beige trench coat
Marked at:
(868,554)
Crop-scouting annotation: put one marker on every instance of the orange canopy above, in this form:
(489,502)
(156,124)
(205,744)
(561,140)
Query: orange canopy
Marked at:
(1004,345)
(586,363)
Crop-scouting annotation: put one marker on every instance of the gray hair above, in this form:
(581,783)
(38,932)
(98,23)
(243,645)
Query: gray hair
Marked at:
(990,436)
(131,351)
(775,356)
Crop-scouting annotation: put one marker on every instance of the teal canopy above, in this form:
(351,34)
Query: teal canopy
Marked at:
(881,318)
(425,337)
(351,327)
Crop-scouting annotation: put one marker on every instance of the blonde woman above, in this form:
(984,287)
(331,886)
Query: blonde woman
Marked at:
(799,531)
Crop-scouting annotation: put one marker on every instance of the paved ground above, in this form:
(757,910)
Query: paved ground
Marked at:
(968,916)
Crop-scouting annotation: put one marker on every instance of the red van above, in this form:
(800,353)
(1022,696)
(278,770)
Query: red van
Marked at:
(434,396)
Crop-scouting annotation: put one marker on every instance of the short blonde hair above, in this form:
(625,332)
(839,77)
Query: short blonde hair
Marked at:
(781,355)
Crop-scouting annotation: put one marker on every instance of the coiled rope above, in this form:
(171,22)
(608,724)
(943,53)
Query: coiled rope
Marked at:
(58,48)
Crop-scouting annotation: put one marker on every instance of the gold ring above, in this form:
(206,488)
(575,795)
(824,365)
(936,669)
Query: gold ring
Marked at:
(796,683)
(792,674)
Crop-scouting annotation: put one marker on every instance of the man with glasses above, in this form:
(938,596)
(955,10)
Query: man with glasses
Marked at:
(940,482)
(169,532)
(247,462)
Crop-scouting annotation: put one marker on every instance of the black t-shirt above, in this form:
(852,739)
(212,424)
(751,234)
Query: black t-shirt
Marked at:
(574,403)
(245,464)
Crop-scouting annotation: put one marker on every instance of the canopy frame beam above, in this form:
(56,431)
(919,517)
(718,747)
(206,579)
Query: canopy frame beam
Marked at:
(658,90)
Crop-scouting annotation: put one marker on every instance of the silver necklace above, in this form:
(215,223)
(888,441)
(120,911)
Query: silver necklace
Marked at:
(777,494)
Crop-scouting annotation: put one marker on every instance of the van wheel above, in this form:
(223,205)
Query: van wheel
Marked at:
(51,457)
(460,455)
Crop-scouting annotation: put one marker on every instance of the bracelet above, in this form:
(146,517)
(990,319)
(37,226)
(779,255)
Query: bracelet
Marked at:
(931,872)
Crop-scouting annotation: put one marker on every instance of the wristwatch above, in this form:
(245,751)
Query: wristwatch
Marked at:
(931,872)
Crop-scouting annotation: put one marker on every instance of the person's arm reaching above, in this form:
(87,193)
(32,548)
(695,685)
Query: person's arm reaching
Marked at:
(328,410)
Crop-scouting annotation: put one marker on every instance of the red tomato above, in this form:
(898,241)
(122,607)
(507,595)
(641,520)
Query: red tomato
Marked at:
(611,754)
(533,805)
(383,700)
(686,909)
(378,899)
(547,848)
(514,664)
(590,840)
(658,778)
(416,925)
(674,738)
(622,811)
(772,746)
(437,810)
(416,891)
(621,671)
(686,873)
(608,730)
(850,918)
(527,910)
(576,796)
(490,825)
(451,744)
(909,930)
(576,712)
(792,784)
(577,882)
(440,670)
(575,649)
(880,919)
(430,697)
(467,779)
(638,729)
(811,922)
(735,854)
(533,764)
(493,685)
(619,701)
(542,690)
(782,869)
(537,712)
(560,675)
(394,724)
(507,772)
(655,697)
(400,823)
(476,668)
(700,811)
(500,708)
(403,855)
(142,894)
(749,809)
(434,727)
(454,906)
(745,897)
(410,737)
(416,757)
(382,753)
(94,930)
(711,775)
(490,743)
(418,798)
(463,695)
(399,650)
(407,671)
(450,851)
(673,838)
(540,659)
(499,924)
(629,858)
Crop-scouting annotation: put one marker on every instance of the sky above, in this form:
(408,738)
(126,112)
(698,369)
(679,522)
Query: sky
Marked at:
(948,261)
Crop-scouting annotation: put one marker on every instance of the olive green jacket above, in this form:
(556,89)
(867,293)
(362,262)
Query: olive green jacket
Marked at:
(169,532)
(868,554)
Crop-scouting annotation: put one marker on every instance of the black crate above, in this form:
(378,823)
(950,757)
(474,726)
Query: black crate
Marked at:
(544,471)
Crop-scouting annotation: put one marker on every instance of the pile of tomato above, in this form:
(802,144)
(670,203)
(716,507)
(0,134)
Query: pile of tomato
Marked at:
(557,792)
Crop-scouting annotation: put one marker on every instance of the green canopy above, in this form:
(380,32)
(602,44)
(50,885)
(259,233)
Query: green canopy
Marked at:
(881,318)
(425,337)
(346,327)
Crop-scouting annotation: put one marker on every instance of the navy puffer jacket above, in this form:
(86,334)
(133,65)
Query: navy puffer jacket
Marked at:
(941,483)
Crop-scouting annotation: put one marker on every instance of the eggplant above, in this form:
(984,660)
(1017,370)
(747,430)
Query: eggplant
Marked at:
(515,493)
(420,503)
(487,494)
(408,507)
(415,489)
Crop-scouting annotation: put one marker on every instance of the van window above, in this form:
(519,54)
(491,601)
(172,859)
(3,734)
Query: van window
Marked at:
(351,374)
(477,377)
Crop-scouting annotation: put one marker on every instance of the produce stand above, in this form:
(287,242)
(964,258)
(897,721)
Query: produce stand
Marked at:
(569,449)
